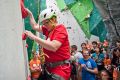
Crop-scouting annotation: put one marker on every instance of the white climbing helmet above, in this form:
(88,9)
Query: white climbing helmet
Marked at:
(47,14)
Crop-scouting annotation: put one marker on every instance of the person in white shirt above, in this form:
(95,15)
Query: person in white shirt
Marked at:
(75,56)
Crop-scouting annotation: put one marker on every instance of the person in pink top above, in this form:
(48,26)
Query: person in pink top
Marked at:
(56,44)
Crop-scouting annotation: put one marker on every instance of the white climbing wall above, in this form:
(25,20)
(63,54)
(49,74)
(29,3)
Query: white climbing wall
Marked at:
(12,62)
(76,35)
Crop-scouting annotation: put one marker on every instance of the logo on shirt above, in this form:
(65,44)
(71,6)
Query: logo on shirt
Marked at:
(88,64)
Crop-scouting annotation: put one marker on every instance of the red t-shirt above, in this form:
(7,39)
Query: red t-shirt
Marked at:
(59,34)
(63,53)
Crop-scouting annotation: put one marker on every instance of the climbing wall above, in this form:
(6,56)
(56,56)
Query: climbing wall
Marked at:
(75,15)
(12,65)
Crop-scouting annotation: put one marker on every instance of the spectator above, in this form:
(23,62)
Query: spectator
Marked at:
(35,66)
(104,75)
(94,45)
(118,44)
(87,66)
(116,62)
(75,57)
(107,61)
(84,46)
(98,57)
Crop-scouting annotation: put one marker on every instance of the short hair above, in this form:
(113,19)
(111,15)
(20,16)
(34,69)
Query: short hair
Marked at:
(94,42)
(74,46)
(106,71)
(83,44)
(100,50)
(114,50)
(118,41)
(86,50)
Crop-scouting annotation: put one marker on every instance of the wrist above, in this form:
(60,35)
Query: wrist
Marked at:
(34,38)
(88,69)
(30,15)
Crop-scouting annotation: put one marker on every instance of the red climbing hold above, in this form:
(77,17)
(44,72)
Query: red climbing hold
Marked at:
(24,36)
(26,45)
(23,9)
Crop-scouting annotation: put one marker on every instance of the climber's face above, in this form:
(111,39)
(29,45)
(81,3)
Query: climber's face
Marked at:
(49,23)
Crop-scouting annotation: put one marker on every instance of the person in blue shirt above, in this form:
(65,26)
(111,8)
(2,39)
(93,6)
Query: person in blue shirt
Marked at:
(98,56)
(87,66)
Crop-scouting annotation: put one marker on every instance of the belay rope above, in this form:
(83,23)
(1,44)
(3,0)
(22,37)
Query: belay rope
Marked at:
(42,54)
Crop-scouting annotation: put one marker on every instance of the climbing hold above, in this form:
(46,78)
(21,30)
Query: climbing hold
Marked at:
(26,45)
(23,9)
(24,36)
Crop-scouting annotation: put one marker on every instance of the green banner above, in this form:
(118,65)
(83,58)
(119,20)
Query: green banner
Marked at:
(80,11)
(85,27)
(97,26)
